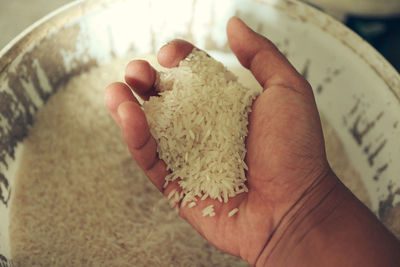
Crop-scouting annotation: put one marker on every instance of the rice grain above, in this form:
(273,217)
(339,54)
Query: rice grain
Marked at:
(233,212)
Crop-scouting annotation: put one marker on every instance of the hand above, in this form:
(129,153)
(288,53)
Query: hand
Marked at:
(288,177)
(285,144)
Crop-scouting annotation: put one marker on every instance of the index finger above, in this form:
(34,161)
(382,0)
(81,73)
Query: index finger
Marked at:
(141,76)
(174,52)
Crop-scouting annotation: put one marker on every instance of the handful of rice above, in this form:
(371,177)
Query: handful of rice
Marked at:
(199,121)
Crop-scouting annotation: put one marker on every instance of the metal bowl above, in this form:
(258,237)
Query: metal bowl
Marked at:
(356,89)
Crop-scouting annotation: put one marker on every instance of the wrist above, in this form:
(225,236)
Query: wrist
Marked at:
(329,226)
(318,203)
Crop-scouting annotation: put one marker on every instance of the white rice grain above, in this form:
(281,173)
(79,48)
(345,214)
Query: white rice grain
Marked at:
(209,210)
(233,212)
(170,194)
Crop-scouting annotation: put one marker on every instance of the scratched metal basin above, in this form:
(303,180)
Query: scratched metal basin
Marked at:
(356,89)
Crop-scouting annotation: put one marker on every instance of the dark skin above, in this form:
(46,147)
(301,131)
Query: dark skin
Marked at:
(296,212)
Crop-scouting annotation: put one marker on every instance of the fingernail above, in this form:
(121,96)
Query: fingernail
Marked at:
(172,41)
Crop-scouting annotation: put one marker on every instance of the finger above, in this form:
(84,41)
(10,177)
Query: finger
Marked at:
(117,93)
(140,76)
(141,144)
(172,53)
(257,53)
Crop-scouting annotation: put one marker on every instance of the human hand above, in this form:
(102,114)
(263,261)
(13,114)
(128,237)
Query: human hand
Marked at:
(288,171)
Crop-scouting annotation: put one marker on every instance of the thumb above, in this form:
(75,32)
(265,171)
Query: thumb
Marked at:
(258,54)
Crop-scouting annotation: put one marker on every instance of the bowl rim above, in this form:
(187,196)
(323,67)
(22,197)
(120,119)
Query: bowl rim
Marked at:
(67,13)
(45,25)
(348,38)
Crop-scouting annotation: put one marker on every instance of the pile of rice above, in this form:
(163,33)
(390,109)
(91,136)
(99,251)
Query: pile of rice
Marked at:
(199,121)
(80,199)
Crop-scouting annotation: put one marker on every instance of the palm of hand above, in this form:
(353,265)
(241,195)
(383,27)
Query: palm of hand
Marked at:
(285,151)
(281,166)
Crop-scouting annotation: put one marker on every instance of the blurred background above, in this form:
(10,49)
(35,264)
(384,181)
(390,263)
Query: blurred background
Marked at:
(378,22)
